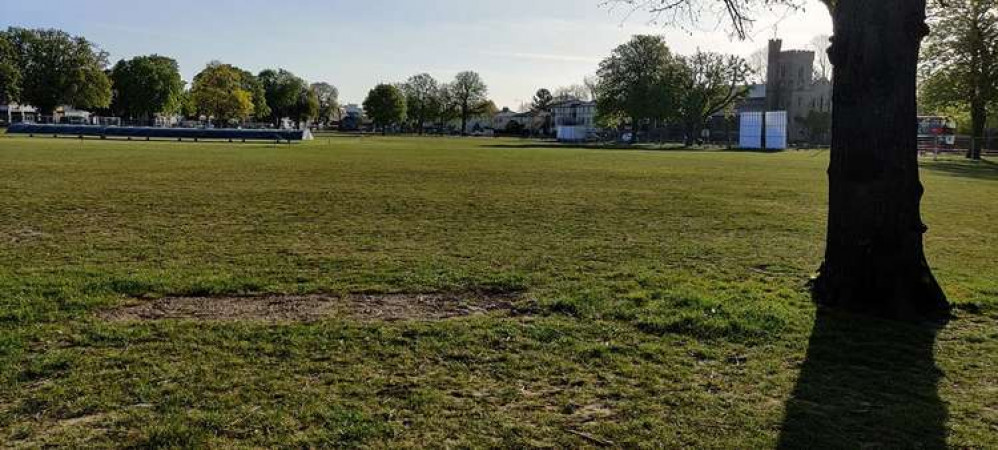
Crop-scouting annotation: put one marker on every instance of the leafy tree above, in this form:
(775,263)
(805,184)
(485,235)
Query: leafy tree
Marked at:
(283,91)
(307,107)
(960,61)
(448,106)
(711,82)
(250,83)
(385,106)
(874,257)
(640,81)
(422,98)
(145,86)
(188,108)
(817,123)
(218,94)
(469,94)
(542,101)
(329,102)
(10,71)
(60,69)
(541,104)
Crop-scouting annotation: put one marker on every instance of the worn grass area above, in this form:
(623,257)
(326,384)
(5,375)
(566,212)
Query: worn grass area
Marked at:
(661,299)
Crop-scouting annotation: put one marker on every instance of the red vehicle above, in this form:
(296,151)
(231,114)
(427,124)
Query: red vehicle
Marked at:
(936,134)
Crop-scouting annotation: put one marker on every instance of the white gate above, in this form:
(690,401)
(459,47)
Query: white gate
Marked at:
(776,130)
(750,135)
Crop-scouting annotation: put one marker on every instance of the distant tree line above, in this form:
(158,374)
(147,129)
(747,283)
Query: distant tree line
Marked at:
(422,101)
(642,81)
(51,68)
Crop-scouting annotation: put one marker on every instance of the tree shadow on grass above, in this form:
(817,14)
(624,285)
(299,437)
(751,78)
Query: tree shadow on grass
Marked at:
(867,383)
(981,170)
(624,147)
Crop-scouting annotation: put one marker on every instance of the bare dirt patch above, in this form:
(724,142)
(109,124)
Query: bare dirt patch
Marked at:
(311,308)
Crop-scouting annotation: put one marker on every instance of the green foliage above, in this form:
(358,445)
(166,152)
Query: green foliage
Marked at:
(218,94)
(710,83)
(960,60)
(328,97)
(307,107)
(10,71)
(469,92)
(385,106)
(286,94)
(422,98)
(641,80)
(147,85)
(542,101)
(250,83)
(60,69)
(817,123)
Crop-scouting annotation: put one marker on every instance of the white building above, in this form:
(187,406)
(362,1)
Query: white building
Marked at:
(13,113)
(574,120)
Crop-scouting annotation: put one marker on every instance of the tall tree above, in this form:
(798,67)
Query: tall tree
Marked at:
(60,69)
(218,94)
(307,107)
(10,71)
(711,82)
(469,93)
(874,258)
(541,105)
(329,102)
(640,82)
(448,106)
(283,91)
(422,99)
(960,61)
(385,106)
(252,84)
(145,86)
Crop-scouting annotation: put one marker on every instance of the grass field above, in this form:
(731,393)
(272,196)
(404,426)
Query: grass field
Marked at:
(658,299)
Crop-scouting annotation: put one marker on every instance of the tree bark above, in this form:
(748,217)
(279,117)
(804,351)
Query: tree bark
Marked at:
(875,261)
(978,119)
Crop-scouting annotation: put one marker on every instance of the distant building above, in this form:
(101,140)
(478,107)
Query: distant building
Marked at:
(755,101)
(574,120)
(529,122)
(14,113)
(791,86)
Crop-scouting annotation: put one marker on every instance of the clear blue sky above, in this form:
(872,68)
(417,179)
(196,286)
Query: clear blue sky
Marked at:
(517,45)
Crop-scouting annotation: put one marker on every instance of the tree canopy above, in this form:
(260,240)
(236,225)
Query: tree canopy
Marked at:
(283,91)
(10,71)
(469,93)
(218,93)
(960,62)
(710,83)
(639,81)
(385,106)
(328,97)
(58,69)
(145,86)
(422,98)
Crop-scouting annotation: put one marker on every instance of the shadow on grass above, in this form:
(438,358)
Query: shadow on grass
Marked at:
(867,383)
(624,147)
(981,170)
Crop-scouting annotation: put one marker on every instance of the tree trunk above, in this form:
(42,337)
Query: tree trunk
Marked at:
(875,262)
(978,119)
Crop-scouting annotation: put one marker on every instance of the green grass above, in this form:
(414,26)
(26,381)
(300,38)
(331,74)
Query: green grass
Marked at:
(665,290)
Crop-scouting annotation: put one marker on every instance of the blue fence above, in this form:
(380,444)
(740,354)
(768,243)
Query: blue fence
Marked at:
(148,133)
